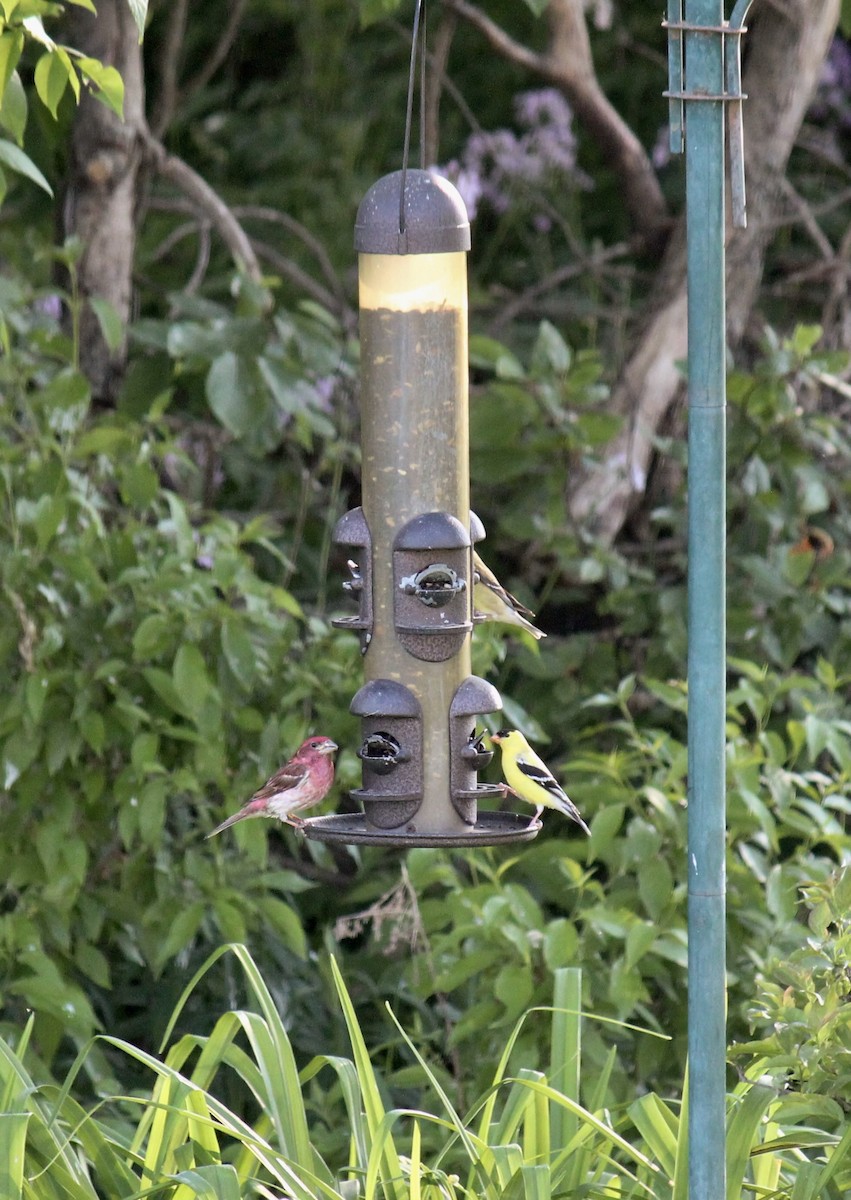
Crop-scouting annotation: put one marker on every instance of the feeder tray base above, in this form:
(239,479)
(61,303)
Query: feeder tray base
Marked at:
(490,829)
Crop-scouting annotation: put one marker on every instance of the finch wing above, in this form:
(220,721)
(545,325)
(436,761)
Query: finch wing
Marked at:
(285,780)
(489,580)
(541,776)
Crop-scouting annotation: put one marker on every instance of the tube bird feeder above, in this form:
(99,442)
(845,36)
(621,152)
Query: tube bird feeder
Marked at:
(411,541)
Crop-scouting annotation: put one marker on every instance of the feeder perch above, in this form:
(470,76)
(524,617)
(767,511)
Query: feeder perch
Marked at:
(391,753)
(431,562)
(352,530)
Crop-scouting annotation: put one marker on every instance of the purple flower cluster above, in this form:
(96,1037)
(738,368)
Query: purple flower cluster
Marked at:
(544,151)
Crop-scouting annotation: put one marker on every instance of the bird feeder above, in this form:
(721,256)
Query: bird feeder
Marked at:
(411,541)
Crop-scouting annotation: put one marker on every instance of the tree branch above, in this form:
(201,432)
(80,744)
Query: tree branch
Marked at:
(206,201)
(784,58)
(220,51)
(438,58)
(261,212)
(568,65)
(167,97)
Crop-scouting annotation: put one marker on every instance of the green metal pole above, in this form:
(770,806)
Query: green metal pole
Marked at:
(704,76)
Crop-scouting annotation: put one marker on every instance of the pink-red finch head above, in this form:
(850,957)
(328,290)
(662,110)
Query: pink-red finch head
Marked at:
(302,782)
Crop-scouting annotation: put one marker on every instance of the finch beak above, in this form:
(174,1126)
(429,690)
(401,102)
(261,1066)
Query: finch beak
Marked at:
(329,748)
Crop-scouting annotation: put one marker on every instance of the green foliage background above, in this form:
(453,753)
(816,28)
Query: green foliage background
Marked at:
(167,580)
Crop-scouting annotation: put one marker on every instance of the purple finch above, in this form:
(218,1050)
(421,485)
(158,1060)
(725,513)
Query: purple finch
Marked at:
(303,781)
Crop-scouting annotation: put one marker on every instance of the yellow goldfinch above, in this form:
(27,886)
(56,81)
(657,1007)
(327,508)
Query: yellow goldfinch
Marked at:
(529,779)
(493,603)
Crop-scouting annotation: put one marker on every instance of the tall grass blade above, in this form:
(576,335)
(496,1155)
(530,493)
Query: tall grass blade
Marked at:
(536,1182)
(283,1100)
(391,1172)
(743,1124)
(838,1159)
(416,1163)
(350,1087)
(299,1182)
(565,1050)
(659,1129)
(218,1182)
(680,1190)
(13,1140)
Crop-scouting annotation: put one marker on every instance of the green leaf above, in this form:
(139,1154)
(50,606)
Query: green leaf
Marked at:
(743,1136)
(805,339)
(845,18)
(139,484)
(537,6)
(190,677)
(93,963)
(181,931)
(93,730)
(36,694)
(216,1181)
(551,352)
(375,10)
(151,637)
(286,923)
(513,987)
(54,72)
(111,325)
(46,516)
(19,753)
(22,164)
(561,942)
(103,439)
(152,811)
(107,84)
(162,685)
(36,30)
(231,396)
(239,652)
(13,109)
(11,46)
(66,400)
(13,1137)
(139,9)
(655,886)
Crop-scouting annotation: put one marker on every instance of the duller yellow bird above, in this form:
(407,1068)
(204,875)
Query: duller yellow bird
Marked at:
(493,603)
(530,779)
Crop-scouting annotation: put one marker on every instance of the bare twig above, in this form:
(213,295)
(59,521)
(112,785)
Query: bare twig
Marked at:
(177,235)
(171,95)
(167,98)
(261,212)
(206,202)
(220,51)
(293,272)
(808,220)
(835,319)
(555,279)
(202,259)
(438,58)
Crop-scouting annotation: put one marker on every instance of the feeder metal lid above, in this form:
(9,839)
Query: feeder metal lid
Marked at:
(435,216)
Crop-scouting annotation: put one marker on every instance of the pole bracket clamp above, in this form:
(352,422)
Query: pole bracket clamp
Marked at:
(678,93)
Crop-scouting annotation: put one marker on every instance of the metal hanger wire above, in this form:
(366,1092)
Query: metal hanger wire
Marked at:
(418,43)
